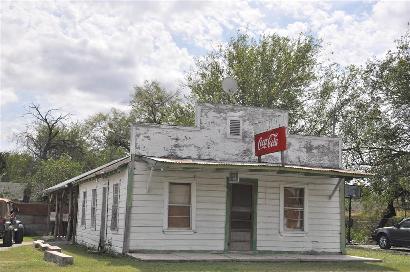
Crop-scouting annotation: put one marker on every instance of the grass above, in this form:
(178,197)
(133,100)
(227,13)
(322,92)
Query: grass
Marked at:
(26,258)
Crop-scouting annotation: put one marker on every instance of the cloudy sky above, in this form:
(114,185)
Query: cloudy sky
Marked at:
(85,57)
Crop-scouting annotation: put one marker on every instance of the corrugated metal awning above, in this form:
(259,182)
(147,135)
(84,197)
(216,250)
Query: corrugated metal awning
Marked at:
(106,168)
(254,166)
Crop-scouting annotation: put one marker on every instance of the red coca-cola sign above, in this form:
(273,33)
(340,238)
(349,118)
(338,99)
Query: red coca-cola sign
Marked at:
(270,141)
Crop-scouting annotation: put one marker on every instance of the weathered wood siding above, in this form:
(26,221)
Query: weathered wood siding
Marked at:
(90,236)
(209,139)
(323,215)
(147,233)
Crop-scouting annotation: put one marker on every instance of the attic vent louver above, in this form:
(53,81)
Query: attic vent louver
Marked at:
(234,127)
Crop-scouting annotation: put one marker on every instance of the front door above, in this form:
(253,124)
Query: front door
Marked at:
(241,216)
(103,217)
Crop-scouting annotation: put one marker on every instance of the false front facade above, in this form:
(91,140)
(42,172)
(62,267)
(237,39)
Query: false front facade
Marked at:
(203,188)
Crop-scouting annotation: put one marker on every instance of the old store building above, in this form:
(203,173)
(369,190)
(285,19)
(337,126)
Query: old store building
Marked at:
(202,188)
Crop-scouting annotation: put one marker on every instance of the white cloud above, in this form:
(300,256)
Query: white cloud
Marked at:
(9,130)
(348,38)
(81,105)
(7,96)
(354,39)
(93,53)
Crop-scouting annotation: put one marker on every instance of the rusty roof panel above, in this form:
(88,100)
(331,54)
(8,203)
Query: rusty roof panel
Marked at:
(254,165)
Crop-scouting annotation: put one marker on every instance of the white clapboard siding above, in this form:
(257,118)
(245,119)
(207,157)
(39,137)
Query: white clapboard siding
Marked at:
(90,236)
(147,233)
(323,216)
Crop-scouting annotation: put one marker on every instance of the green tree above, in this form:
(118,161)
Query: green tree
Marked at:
(153,104)
(273,72)
(49,135)
(108,135)
(53,171)
(369,108)
(16,167)
(388,80)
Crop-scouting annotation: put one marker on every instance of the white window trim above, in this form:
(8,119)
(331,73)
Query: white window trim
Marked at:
(228,127)
(193,209)
(283,232)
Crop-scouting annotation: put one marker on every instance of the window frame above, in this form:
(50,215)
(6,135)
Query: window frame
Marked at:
(282,230)
(405,221)
(193,208)
(115,227)
(83,221)
(94,209)
(228,129)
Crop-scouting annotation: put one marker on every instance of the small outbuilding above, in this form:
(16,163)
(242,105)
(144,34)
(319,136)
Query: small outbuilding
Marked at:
(203,189)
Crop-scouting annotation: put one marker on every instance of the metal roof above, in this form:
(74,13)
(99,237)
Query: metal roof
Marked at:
(261,167)
(106,168)
(190,163)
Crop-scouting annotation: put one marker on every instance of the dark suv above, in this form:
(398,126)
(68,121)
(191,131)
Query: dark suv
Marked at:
(397,235)
(10,228)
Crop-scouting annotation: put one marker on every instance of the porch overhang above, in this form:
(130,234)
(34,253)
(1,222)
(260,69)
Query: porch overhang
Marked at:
(253,167)
(104,169)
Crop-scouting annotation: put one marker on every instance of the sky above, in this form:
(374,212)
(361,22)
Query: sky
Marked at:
(86,57)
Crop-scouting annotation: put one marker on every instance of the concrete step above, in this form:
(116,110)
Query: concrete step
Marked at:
(44,247)
(54,248)
(37,243)
(59,258)
(40,245)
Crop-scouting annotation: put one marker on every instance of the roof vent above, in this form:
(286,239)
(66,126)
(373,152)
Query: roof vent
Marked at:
(234,128)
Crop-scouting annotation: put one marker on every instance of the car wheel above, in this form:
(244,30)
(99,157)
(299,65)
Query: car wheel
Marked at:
(384,242)
(18,236)
(8,239)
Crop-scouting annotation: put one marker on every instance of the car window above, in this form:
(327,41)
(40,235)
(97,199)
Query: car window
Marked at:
(405,224)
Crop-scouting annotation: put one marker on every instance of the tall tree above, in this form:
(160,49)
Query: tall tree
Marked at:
(388,80)
(153,104)
(15,167)
(108,135)
(273,72)
(49,135)
(53,171)
(369,108)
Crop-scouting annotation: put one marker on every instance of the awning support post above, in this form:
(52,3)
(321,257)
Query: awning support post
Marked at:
(282,158)
(336,187)
(56,216)
(150,177)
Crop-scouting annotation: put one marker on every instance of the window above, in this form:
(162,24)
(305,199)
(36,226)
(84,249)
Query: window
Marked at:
(405,224)
(93,207)
(84,203)
(293,210)
(114,210)
(179,206)
(234,128)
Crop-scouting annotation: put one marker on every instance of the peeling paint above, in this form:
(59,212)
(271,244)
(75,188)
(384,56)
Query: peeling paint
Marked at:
(209,138)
